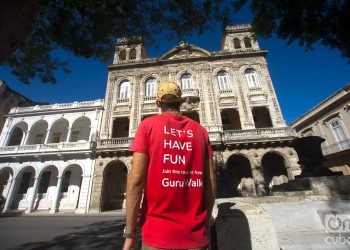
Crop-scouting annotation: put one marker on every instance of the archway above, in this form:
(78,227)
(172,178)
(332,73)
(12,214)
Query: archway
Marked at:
(46,188)
(80,130)
(59,131)
(275,171)
(241,182)
(23,188)
(114,186)
(70,187)
(38,133)
(17,134)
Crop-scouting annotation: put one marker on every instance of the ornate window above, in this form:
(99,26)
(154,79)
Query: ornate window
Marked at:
(247,42)
(124,90)
(252,78)
(150,87)
(39,139)
(223,80)
(122,55)
(186,81)
(339,134)
(237,43)
(132,54)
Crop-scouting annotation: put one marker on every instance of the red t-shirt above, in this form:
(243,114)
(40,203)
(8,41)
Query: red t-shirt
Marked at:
(173,210)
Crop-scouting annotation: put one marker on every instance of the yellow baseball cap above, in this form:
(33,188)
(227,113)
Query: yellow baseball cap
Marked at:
(168,88)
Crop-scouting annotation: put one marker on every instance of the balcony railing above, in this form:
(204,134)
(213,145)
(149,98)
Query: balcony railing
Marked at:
(191,93)
(43,148)
(336,147)
(57,106)
(215,137)
(261,133)
(116,143)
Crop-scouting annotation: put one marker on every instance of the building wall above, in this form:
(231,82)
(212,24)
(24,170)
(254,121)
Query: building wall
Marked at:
(259,142)
(330,120)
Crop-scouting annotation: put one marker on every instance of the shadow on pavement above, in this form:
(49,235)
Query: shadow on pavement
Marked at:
(101,235)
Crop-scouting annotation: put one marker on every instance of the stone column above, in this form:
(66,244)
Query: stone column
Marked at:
(33,195)
(90,134)
(69,134)
(27,138)
(47,136)
(54,206)
(10,195)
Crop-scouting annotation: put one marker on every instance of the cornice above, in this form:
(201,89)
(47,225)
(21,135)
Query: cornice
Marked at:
(213,57)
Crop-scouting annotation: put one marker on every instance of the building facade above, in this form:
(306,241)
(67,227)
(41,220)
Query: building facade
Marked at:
(330,120)
(47,157)
(229,92)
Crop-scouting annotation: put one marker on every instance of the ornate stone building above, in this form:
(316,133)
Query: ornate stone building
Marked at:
(330,119)
(229,92)
(47,157)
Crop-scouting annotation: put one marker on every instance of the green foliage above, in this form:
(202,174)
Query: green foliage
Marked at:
(89,28)
(308,22)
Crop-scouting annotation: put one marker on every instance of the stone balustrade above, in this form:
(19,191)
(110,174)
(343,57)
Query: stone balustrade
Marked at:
(215,137)
(118,143)
(237,135)
(57,106)
(42,148)
(190,93)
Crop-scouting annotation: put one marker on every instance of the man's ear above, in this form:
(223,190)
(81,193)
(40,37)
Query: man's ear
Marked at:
(158,104)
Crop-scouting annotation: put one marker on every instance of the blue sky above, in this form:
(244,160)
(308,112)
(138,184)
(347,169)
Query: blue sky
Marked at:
(301,78)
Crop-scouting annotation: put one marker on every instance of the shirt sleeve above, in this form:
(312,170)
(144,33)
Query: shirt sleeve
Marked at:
(140,143)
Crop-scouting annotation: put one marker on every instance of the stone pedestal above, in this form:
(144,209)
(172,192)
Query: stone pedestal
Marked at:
(310,157)
(243,226)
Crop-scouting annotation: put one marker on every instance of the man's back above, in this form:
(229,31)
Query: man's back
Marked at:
(174,214)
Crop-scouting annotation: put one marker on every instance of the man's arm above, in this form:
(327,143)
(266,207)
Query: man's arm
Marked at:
(209,186)
(136,183)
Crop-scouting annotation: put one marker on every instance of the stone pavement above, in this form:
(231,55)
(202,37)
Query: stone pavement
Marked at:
(62,231)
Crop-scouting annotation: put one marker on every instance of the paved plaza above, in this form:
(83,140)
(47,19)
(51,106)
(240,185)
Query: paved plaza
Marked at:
(62,232)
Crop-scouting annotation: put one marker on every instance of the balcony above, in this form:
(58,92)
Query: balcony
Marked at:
(215,138)
(45,148)
(261,134)
(190,94)
(114,143)
(336,147)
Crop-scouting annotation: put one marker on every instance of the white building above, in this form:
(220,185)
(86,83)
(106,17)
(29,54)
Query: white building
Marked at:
(330,119)
(48,148)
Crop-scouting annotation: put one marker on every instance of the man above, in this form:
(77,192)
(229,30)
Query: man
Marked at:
(173,165)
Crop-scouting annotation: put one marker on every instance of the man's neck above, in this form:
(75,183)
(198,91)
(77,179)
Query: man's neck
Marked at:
(176,112)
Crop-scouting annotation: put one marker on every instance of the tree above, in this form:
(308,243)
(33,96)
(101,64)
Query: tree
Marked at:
(309,22)
(32,30)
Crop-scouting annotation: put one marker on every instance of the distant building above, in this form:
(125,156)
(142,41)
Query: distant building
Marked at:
(10,98)
(229,92)
(330,120)
(47,156)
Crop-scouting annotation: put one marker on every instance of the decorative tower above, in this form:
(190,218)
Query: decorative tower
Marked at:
(129,50)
